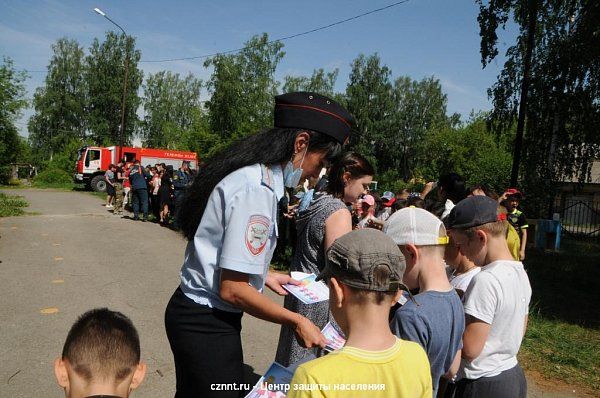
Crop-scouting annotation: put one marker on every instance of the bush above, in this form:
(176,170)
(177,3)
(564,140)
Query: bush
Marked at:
(14,182)
(53,176)
(11,205)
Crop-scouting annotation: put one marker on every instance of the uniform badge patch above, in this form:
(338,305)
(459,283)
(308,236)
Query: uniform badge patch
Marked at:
(257,234)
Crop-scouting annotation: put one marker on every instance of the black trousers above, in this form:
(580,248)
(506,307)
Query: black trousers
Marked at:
(207,348)
(509,384)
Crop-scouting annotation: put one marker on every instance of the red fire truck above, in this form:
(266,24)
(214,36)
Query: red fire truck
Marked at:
(93,161)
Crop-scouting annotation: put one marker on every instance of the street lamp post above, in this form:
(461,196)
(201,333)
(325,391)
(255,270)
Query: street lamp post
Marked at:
(102,13)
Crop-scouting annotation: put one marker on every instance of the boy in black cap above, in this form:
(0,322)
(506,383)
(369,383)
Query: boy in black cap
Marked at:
(364,269)
(496,303)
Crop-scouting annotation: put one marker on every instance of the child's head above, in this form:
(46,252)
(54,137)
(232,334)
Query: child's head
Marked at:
(478,228)
(452,255)
(368,204)
(365,269)
(513,197)
(101,356)
(421,237)
(415,201)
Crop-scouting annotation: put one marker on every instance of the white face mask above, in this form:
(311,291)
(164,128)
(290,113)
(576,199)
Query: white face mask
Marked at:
(291,177)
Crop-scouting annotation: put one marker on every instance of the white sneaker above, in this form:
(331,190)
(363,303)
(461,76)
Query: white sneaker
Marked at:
(109,206)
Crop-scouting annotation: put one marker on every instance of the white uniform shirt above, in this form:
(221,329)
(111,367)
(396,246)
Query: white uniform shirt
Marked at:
(499,295)
(238,232)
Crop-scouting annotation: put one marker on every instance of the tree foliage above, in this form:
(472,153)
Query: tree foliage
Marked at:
(473,151)
(242,87)
(320,82)
(561,137)
(369,99)
(394,118)
(60,105)
(419,110)
(12,101)
(170,106)
(105,74)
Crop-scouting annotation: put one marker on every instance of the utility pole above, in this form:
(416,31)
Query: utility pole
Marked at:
(102,13)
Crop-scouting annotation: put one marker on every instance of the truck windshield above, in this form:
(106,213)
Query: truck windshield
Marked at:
(80,153)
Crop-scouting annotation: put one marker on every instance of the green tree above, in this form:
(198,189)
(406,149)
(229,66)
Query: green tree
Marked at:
(419,110)
(242,87)
(395,119)
(170,106)
(105,72)
(320,82)
(369,98)
(12,101)
(200,138)
(60,114)
(473,151)
(562,116)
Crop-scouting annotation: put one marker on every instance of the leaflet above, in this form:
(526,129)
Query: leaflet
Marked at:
(309,291)
(274,384)
(335,338)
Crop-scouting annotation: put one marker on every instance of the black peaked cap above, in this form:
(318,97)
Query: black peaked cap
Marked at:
(312,111)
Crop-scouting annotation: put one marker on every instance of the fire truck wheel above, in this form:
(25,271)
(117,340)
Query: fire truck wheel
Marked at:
(98,183)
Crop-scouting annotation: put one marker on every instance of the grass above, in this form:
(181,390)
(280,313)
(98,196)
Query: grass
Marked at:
(67,186)
(12,205)
(563,337)
(562,351)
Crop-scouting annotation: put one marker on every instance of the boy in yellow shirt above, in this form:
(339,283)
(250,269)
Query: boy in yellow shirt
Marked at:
(364,269)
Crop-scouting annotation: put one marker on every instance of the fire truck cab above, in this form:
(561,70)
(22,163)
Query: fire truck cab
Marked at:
(92,162)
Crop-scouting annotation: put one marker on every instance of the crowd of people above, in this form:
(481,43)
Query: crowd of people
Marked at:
(427,288)
(154,189)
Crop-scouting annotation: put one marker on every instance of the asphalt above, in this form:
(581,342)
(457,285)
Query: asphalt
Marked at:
(72,255)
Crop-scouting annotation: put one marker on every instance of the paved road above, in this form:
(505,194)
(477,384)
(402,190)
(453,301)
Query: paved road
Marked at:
(73,256)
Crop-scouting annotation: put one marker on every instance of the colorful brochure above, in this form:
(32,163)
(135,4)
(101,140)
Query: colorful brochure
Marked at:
(335,338)
(274,384)
(309,291)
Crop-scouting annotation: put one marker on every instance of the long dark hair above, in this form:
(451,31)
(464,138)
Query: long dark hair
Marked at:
(268,147)
(453,186)
(351,162)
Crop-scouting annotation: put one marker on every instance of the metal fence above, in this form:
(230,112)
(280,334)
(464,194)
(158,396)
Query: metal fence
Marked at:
(581,219)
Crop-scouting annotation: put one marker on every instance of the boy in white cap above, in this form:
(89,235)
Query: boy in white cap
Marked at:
(496,303)
(364,269)
(435,318)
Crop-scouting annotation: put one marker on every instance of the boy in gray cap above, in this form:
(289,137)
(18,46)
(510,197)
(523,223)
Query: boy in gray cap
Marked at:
(496,303)
(364,270)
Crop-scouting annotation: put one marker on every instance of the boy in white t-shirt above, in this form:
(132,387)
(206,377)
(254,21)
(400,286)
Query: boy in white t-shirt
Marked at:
(496,303)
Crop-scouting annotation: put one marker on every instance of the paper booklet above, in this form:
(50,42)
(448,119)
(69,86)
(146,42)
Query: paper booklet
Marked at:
(309,291)
(335,338)
(274,384)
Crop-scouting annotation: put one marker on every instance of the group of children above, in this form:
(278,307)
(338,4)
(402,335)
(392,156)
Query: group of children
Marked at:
(458,336)
(435,341)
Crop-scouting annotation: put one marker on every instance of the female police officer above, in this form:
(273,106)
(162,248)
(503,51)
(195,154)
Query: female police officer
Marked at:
(229,216)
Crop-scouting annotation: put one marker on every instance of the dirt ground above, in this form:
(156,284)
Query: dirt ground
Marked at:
(73,255)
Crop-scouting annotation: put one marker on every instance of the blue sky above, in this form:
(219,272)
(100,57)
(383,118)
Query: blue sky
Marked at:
(419,38)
